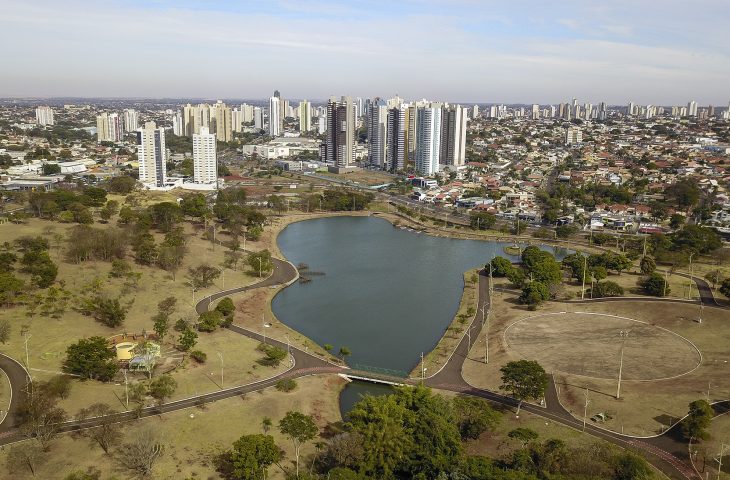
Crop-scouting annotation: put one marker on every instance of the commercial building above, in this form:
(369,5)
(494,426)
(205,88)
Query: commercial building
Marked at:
(151,155)
(205,160)
(44,115)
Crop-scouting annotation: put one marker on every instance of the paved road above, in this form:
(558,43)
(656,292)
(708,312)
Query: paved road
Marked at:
(18,376)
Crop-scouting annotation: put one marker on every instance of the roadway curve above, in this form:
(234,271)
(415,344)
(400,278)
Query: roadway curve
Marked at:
(19,378)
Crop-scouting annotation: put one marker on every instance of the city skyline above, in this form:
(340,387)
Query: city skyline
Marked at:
(524,53)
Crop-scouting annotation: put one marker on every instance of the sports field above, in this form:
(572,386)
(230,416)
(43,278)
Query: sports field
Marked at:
(590,344)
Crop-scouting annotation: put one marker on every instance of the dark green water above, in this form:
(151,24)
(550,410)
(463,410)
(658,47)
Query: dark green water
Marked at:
(388,294)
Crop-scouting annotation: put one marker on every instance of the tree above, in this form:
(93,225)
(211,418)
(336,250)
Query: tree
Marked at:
(607,289)
(523,435)
(725,287)
(500,267)
(51,169)
(122,184)
(162,388)
(188,338)
(695,424)
(91,358)
(676,221)
(655,285)
(226,307)
(209,321)
(696,238)
(474,416)
(300,429)
(24,456)
(534,293)
(344,352)
(106,432)
(142,452)
(202,276)
(274,355)
(482,220)
(108,311)
(194,205)
(252,455)
(524,380)
(648,265)
(161,325)
(266,424)
(41,418)
(260,261)
(630,466)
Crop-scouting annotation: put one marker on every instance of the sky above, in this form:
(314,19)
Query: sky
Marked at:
(660,52)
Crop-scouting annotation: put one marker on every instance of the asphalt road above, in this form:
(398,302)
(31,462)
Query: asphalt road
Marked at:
(18,376)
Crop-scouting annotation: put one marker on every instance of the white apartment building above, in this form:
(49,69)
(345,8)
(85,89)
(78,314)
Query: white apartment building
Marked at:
(377,117)
(305,116)
(44,115)
(274,116)
(131,120)
(151,155)
(428,139)
(205,160)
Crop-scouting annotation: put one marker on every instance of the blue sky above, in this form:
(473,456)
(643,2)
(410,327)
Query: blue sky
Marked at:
(659,52)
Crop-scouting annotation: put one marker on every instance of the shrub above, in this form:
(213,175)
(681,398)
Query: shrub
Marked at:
(226,307)
(286,385)
(607,289)
(209,321)
(199,356)
(273,355)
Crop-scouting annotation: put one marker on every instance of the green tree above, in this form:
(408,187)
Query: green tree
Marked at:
(500,267)
(523,435)
(11,286)
(648,265)
(209,321)
(344,352)
(695,424)
(226,307)
(474,416)
(260,261)
(299,428)
(676,221)
(202,276)
(607,289)
(161,325)
(188,338)
(534,293)
(162,388)
(122,184)
(482,220)
(252,455)
(725,287)
(5,329)
(524,380)
(630,466)
(696,238)
(655,285)
(91,358)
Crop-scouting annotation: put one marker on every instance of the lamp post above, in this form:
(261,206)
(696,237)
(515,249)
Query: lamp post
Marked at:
(259,259)
(624,334)
(702,306)
(689,283)
(585,268)
(264,327)
(220,355)
(27,358)
(288,347)
(585,410)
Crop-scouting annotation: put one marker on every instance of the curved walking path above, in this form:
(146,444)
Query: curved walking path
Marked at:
(667,452)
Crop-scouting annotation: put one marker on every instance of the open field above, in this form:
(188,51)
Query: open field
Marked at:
(363,177)
(192,437)
(645,407)
(630,282)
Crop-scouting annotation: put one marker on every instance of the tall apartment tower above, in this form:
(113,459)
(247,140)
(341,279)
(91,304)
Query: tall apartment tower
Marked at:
(428,139)
(340,147)
(453,136)
(178,124)
(258,118)
(395,139)
(376,126)
(274,116)
(151,155)
(44,115)
(411,129)
(573,135)
(205,161)
(131,120)
(305,116)
(109,128)
(475,111)
(631,109)
(535,111)
(692,109)
(102,127)
(223,123)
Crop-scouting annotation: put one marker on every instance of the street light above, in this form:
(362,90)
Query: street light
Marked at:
(624,334)
(220,355)
(265,326)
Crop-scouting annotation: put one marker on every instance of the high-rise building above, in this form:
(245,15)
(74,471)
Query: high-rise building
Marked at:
(178,124)
(109,128)
(223,123)
(274,116)
(44,115)
(395,138)
(376,127)
(453,136)
(258,118)
(247,113)
(151,155)
(131,120)
(411,129)
(205,161)
(631,109)
(321,124)
(340,150)
(475,111)
(305,116)
(692,109)
(573,135)
(535,111)
(428,138)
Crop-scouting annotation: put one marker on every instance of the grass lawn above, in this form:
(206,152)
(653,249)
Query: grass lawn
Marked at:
(646,407)
(192,437)
(708,451)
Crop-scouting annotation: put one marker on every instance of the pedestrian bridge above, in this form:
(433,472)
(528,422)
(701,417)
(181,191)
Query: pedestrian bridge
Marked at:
(367,373)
